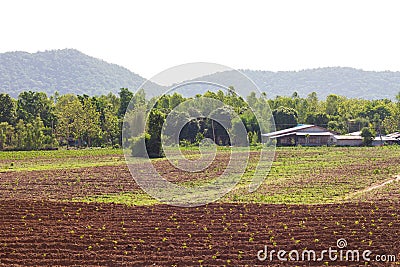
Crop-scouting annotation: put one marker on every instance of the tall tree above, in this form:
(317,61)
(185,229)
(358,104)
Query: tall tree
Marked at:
(7,109)
(111,125)
(20,134)
(367,135)
(140,98)
(252,99)
(332,104)
(69,112)
(125,98)
(91,121)
(285,118)
(6,134)
(317,118)
(36,134)
(312,102)
(155,123)
(32,104)
(175,100)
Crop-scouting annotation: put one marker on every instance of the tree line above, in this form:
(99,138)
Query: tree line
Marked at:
(36,121)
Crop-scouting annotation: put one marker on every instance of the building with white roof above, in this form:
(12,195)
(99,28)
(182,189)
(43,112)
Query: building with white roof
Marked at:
(303,134)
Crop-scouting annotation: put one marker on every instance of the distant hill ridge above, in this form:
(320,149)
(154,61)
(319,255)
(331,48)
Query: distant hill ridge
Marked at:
(349,82)
(65,71)
(70,71)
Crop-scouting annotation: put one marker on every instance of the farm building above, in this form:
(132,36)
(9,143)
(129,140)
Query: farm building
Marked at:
(303,134)
(394,135)
(355,139)
(312,135)
(384,140)
(347,140)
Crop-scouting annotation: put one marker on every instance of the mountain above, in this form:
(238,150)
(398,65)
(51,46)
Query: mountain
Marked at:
(349,82)
(70,71)
(65,71)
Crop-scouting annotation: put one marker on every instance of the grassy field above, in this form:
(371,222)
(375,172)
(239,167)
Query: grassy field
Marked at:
(299,175)
(59,159)
(319,175)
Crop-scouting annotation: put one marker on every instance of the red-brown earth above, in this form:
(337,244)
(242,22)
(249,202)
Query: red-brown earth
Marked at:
(65,234)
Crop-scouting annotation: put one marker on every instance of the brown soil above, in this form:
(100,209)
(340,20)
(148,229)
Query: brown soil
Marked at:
(62,184)
(65,234)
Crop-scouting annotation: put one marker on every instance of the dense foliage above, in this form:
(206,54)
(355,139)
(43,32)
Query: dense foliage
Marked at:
(36,121)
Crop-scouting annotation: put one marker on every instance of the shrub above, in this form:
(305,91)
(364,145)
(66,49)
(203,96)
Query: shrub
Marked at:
(139,144)
(155,123)
(367,135)
(116,146)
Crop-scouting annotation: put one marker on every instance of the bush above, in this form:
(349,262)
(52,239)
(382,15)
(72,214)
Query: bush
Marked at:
(185,143)
(368,136)
(155,123)
(139,144)
(116,146)
(154,147)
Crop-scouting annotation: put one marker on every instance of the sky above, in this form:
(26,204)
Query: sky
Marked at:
(148,37)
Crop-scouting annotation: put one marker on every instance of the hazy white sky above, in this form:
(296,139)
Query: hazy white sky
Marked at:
(150,36)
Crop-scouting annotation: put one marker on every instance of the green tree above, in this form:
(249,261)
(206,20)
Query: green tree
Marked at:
(285,118)
(70,118)
(172,127)
(6,134)
(138,145)
(368,135)
(111,126)
(220,122)
(212,95)
(390,125)
(190,131)
(252,99)
(357,124)
(337,126)
(20,134)
(163,103)
(398,104)
(32,104)
(332,104)
(317,118)
(380,111)
(155,123)
(254,139)
(29,136)
(312,102)
(175,100)
(250,121)
(91,122)
(36,134)
(238,138)
(125,98)
(235,101)
(7,109)
(140,98)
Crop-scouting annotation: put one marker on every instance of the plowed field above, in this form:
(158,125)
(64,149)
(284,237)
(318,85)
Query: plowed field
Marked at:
(69,215)
(53,233)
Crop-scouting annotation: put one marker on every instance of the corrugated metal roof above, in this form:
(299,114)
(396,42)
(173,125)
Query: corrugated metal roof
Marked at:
(347,137)
(355,133)
(385,138)
(281,135)
(289,130)
(394,135)
(314,133)
(302,134)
